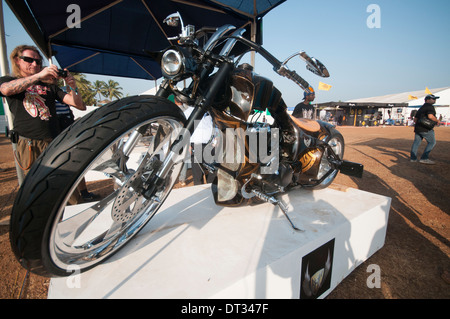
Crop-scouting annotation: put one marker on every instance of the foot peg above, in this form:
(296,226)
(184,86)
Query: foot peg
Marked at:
(351,169)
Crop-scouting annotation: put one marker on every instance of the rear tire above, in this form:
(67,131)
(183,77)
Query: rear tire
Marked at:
(51,237)
(336,141)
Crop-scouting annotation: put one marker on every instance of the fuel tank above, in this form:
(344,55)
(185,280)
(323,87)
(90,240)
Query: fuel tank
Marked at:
(250,91)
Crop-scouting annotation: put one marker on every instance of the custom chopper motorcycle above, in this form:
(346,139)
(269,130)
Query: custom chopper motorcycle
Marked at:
(132,150)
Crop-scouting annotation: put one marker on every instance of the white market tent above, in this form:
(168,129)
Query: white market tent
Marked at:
(442,104)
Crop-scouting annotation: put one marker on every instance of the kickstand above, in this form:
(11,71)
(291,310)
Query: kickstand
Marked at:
(285,212)
(272,200)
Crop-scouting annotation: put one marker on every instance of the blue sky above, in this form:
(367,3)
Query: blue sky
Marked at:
(408,52)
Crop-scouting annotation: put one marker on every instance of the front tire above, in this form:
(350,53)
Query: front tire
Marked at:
(116,150)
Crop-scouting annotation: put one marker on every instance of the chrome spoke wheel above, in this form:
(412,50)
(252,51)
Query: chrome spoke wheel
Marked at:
(83,233)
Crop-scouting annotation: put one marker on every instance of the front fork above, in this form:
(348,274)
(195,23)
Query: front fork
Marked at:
(157,180)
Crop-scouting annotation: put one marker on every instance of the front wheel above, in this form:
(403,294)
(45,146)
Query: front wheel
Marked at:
(116,151)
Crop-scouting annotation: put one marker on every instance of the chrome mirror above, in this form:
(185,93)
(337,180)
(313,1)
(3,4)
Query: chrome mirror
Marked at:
(174,20)
(314,65)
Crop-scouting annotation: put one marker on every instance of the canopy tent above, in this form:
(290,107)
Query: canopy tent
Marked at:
(358,105)
(356,113)
(249,8)
(403,105)
(396,107)
(412,98)
(113,34)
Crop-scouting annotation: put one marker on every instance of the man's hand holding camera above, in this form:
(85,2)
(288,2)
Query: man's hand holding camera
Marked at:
(51,73)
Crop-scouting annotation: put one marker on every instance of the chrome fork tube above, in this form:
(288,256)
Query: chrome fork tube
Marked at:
(131,142)
(183,140)
(221,31)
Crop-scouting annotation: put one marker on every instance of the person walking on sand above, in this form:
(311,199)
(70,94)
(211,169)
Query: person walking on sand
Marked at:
(426,110)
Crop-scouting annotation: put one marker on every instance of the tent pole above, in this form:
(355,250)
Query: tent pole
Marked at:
(253,38)
(5,70)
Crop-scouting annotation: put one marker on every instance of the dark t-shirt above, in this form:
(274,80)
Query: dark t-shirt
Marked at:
(303,111)
(34,110)
(424,111)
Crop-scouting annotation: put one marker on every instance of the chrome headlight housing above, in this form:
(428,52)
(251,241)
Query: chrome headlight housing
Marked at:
(177,64)
(172,62)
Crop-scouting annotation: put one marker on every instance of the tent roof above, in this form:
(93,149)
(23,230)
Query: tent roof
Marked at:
(360,104)
(249,8)
(113,34)
(395,100)
(399,97)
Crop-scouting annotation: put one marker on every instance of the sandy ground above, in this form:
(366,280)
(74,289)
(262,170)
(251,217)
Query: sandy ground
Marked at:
(414,262)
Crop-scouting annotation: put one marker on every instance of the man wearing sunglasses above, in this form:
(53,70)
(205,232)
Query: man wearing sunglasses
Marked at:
(31,94)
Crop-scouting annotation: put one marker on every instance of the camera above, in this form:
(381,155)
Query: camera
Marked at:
(62,73)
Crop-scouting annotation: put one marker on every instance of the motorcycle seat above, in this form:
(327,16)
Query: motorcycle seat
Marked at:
(306,124)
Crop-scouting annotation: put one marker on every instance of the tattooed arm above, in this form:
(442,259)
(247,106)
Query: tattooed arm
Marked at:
(19,85)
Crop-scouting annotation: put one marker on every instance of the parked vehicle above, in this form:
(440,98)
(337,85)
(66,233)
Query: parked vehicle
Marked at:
(136,148)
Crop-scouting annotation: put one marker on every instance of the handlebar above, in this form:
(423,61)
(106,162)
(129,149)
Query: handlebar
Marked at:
(237,35)
(278,67)
(292,75)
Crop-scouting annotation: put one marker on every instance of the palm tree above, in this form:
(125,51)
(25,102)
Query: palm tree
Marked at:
(113,90)
(84,86)
(99,88)
(86,89)
(89,97)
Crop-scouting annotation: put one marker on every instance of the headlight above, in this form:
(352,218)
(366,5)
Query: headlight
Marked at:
(177,64)
(172,62)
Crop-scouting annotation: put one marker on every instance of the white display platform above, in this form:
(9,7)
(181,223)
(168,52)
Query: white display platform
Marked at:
(195,249)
